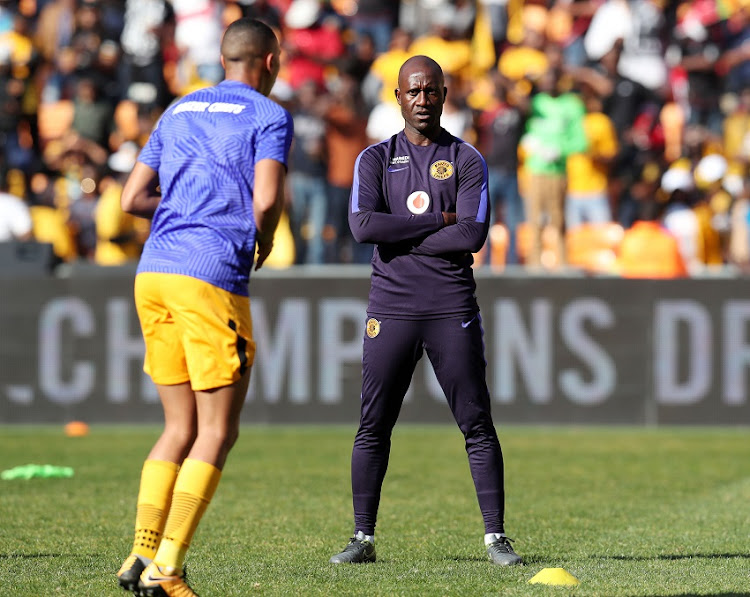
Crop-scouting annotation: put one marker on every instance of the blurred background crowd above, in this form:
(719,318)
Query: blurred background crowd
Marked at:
(616,132)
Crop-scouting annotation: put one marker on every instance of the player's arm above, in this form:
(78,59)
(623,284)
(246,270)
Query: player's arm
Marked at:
(268,203)
(472,212)
(369,219)
(140,195)
(272,146)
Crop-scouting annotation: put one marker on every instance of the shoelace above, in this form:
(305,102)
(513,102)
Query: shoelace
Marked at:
(503,544)
(351,545)
(354,543)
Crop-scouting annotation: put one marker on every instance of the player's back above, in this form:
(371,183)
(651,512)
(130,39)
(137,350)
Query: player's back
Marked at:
(204,148)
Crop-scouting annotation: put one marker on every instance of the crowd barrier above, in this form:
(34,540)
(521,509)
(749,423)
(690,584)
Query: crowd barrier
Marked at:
(559,349)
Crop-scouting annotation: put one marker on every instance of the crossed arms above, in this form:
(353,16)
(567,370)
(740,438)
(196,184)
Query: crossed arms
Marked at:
(433,234)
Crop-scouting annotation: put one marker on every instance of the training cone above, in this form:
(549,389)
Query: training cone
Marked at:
(76,429)
(554,576)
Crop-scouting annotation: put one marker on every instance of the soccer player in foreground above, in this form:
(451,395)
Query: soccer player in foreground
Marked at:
(219,156)
(421,196)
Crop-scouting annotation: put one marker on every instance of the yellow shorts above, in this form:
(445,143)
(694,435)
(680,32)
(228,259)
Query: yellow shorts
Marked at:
(194,332)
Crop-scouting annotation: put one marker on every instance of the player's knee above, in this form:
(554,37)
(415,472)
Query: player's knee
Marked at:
(479,430)
(231,438)
(220,436)
(181,437)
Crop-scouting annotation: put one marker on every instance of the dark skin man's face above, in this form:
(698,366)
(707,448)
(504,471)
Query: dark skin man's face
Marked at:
(421,95)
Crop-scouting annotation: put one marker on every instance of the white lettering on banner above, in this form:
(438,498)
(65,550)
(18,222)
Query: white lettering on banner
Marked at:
(310,350)
(54,350)
(696,321)
(335,350)
(20,394)
(124,352)
(736,352)
(286,352)
(601,365)
(530,350)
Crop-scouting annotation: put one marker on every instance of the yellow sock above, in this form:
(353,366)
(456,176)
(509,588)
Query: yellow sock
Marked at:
(154,497)
(193,490)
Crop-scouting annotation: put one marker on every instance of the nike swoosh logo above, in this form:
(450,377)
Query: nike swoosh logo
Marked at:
(151,577)
(465,324)
(392,169)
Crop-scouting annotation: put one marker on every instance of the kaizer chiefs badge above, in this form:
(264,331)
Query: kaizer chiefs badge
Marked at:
(373,327)
(441,170)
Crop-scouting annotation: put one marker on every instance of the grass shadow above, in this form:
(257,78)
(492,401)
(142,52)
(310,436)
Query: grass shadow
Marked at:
(28,556)
(463,559)
(743,594)
(667,557)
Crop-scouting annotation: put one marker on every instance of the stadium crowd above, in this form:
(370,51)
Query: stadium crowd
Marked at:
(616,132)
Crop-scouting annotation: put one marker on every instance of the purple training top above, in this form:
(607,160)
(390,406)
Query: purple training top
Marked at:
(205,148)
(421,269)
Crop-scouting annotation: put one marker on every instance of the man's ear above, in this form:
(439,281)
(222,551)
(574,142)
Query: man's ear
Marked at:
(222,62)
(397,92)
(269,62)
(445,93)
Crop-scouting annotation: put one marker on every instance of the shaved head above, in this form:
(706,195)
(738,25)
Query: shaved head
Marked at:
(250,54)
(246,39)
(420,64)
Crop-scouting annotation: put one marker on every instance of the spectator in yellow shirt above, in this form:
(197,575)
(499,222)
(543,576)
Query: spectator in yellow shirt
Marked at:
(384,70)
(524,63)
(120,236)
(587,199)
(19,46)
(737,130)
(440,44)
(49,220)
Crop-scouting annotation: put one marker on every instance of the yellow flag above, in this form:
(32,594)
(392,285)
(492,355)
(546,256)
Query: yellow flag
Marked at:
(482,47)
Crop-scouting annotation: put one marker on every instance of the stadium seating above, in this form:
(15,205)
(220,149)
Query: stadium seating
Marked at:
(593,247)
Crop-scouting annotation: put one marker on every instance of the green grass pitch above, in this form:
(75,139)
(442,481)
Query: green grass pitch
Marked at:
(628,511)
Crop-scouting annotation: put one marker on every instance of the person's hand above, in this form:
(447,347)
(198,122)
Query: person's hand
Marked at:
(264,250)
(449,218)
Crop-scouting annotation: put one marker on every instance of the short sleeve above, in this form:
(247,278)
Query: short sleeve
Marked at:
(151,152)
(275,139)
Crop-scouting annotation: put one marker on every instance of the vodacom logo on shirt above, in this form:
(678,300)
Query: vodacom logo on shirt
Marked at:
(418,202)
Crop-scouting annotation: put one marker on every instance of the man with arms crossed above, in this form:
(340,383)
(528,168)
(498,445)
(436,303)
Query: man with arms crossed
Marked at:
(219,155)
(421,196)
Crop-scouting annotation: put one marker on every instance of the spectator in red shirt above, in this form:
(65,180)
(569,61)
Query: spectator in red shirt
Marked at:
(312,42)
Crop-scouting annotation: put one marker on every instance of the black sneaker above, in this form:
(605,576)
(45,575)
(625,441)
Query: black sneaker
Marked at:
(501,552)
(130,572)
(357,551)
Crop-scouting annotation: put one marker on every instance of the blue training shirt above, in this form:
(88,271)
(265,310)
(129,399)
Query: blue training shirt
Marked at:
(421,269)
(205,148)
